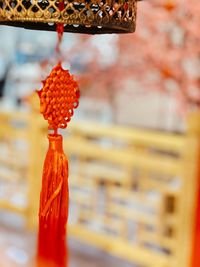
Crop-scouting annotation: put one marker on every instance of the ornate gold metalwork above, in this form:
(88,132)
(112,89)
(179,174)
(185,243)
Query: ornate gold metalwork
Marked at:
(83,16)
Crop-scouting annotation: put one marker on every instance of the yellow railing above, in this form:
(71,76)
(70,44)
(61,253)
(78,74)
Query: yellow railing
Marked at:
(133,192)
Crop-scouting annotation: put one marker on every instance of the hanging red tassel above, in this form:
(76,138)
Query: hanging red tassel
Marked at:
(58,97)
(53,212)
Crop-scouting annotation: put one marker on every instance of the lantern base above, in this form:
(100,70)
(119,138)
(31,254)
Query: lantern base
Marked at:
(84,16)
(69,28)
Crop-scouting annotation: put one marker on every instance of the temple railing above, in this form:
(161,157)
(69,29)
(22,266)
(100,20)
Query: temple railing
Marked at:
(133,193)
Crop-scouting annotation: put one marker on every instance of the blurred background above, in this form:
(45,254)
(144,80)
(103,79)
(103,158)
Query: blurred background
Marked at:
(132,145)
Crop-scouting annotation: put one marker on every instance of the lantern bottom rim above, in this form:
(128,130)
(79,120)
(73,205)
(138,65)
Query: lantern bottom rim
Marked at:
(75,28)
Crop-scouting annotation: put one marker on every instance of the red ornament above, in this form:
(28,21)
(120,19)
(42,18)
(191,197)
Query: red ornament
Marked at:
(58,99)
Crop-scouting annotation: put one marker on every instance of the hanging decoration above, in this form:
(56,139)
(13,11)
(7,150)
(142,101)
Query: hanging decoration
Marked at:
(59,97)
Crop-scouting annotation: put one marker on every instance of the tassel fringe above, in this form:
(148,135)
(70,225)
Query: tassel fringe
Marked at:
(53,214)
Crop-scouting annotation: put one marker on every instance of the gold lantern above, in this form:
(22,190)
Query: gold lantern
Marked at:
(81,16)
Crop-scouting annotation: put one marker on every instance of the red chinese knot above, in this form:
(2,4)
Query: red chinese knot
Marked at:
(58,98)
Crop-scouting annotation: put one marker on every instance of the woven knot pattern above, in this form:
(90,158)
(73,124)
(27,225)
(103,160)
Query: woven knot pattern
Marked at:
(58,98)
